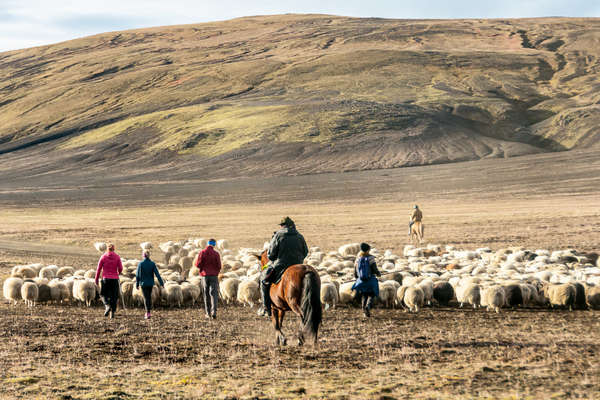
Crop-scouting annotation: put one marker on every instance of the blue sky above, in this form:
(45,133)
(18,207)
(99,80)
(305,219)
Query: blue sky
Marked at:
(27,23)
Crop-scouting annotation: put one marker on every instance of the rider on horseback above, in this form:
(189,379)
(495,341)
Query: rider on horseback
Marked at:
(416,216)
(287,248)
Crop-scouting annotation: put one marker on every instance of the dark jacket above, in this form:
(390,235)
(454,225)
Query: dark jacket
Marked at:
(209,262)
(146,271)
(287,247)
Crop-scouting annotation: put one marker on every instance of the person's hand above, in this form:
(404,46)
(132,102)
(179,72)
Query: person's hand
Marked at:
(96,282)
(137,287)
(162,286)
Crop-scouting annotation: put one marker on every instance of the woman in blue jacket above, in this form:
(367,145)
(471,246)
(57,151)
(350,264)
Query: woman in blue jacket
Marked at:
(365,272)
(144,276)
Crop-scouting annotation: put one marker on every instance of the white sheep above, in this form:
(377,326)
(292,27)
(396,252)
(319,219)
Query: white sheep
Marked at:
(562,295)
(12,289)
(173,295)
(413,298)
(387,293)
(65,272)
(24,272)
(248,292)
(346,293)
(228,289)
(29,293)
(190,292)
(146,246)
(470,293)
(349,250)
(85,291)
(493,298)
(48,272)
(329,295)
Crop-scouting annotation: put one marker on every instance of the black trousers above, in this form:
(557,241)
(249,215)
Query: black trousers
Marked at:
(110,293)
(147,291)
(367,300)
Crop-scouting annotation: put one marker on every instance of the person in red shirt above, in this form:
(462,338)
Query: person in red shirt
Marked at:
(111,267)
(209,264)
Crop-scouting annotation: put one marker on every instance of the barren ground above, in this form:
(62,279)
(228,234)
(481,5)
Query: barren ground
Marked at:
(548,201)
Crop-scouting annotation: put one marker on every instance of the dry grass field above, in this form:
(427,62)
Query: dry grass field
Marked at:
(542,201)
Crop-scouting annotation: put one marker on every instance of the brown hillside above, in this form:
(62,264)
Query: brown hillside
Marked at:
(299,94)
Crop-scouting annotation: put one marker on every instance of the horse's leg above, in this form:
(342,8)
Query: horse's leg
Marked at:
(295,306)
(277,318)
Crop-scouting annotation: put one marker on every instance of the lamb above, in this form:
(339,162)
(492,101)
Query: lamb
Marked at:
(470,294)
(173,294)
(413,298)
(493,297)
(562,295)
(12,289)
(329,295)
(85,291)
(29,293)
(248,293)
(228,289)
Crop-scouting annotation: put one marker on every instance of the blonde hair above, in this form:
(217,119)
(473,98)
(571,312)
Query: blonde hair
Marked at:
(146,253)
(110,247)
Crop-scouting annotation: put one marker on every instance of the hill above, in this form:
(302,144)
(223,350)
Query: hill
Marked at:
(296,94)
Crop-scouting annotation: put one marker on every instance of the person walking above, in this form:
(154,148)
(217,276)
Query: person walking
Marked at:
(415,216)
(287,248)
(209,264)
(365,272)
(144,276)
(110,267)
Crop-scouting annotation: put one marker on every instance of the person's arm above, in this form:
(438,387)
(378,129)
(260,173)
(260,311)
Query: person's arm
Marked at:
(374,270)
(356,268)
(273,252)
(99,269)
(199,261)
(219,263)
(138,275)
(120,266)
(158,276)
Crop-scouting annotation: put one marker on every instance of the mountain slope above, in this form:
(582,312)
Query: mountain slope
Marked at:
(299,94)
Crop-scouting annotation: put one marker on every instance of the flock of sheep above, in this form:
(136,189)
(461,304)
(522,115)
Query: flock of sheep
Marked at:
(433,275)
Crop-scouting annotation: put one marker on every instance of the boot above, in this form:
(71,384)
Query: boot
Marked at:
(106,310)
(266,299)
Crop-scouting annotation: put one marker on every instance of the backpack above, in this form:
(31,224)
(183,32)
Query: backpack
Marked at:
(364,269)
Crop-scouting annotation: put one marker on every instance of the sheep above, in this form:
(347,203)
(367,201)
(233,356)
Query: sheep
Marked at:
(173,295)
(100,246)
(190,292)
(413,298)
(580,299)
(29,293)
(64,272)
(48,272)
(593,297)
(24,272)
(58,291)
(222,244)
(90,274)
(443,292)
(12,289)
(470,294)
(493,298)
(127,292)
(562,295)
(248,293)
(349,250)
(347,295)
(228,289)
(513,295)
(146,246)
(426,286)
(44,291)
(85,291)
(387,293)
(329,295)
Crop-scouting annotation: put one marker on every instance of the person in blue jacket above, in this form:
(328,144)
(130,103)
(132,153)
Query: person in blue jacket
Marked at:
(365,272)
(144,276)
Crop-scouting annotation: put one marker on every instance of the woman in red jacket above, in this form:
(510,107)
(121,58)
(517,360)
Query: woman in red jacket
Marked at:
(111,267)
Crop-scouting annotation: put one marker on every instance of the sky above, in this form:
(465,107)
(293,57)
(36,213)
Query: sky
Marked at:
(28,23)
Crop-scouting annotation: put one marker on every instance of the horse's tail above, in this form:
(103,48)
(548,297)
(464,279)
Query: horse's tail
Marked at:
(312,312)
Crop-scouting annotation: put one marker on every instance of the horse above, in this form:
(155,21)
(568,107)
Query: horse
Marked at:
(298,290)
(417,232)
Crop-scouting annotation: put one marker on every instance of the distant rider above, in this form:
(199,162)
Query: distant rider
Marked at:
(416,216)
(287,248)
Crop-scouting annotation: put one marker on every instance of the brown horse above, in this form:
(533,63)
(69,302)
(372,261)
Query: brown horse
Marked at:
(299,290)
(417,232)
